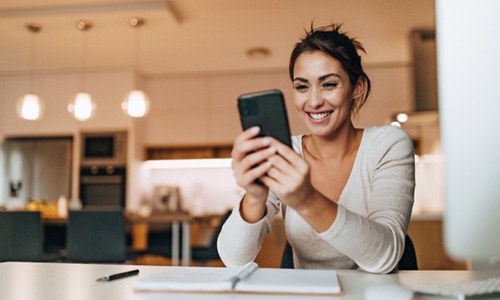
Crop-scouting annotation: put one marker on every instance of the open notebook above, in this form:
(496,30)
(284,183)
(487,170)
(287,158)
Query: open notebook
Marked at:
(246,279)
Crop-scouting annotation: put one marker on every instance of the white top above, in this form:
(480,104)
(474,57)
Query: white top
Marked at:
(373,215)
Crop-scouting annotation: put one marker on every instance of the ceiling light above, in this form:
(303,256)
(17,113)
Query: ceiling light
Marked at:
(136,103)
(82,107)
(402,117)
(30,106)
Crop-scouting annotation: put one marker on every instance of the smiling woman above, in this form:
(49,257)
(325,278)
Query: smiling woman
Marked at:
(346,193)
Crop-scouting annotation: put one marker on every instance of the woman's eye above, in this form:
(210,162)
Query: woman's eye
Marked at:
(301,87)
(329,85)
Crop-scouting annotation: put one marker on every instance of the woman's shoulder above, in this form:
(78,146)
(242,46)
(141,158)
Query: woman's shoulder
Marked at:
(381,139)
(387,133)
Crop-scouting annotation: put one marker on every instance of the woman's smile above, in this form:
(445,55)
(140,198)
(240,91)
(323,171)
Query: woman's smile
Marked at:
(318,117)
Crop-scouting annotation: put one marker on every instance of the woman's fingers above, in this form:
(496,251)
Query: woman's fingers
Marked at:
(288,175)
(248,142)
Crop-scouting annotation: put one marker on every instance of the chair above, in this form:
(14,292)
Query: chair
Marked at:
(202,255)
(408,260)
(21,236)
(96,236)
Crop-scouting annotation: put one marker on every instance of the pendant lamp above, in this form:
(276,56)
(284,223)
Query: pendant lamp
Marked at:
(82,107)
(136,103)
(30,106)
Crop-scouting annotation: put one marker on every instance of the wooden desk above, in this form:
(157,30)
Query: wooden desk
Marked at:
(54,219)
(140,225)
(58,281)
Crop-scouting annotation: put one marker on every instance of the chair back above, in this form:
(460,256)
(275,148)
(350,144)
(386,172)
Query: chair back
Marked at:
(218,229)
(409,259)
(203,254)
(21,236)
(96,236)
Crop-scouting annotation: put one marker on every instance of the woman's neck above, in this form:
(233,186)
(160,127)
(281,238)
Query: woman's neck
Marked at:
(342,144)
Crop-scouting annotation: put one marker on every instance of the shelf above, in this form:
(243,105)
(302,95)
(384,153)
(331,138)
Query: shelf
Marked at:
(187,152)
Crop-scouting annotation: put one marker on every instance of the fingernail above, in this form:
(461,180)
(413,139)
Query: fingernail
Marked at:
(255,129)
(266,141)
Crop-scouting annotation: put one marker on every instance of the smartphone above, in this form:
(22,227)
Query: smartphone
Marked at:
(267,110)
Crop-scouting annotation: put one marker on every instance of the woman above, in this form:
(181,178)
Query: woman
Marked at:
(347,193)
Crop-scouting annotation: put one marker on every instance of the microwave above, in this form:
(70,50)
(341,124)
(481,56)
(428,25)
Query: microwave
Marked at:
(104,148)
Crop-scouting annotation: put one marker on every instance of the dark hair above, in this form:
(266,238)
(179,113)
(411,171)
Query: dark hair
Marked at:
(331,41)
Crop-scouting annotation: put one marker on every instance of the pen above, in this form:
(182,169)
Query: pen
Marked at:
(119,275)
(244,272)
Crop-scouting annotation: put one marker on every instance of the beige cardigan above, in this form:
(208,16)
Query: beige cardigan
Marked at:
(374,212)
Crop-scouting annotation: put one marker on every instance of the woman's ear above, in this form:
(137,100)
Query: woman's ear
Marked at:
(360,88)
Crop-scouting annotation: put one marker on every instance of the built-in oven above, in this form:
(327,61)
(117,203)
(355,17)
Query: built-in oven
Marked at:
(103,186)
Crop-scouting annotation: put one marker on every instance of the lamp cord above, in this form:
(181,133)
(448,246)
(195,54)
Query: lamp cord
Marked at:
(83,83)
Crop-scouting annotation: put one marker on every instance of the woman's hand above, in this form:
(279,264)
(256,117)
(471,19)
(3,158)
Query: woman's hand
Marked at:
(250,154)
(288,176)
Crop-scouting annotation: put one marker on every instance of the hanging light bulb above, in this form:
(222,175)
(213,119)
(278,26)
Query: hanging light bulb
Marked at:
(136,103)
(30,106)
(82,107)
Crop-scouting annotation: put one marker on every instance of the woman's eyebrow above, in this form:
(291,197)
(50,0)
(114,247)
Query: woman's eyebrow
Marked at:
(300,79)
(321,78)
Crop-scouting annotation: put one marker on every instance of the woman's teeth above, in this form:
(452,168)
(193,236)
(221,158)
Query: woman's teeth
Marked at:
(320,115)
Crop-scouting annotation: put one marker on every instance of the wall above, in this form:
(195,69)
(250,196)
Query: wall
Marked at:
(57,90)
(202,109)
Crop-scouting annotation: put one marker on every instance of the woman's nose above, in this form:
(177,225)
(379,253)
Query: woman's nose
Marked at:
(315,99)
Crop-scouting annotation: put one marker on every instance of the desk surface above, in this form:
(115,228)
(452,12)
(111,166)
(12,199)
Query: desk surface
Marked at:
(57,281)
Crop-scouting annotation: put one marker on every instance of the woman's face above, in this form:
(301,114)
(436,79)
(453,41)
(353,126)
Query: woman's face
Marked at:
(322,93)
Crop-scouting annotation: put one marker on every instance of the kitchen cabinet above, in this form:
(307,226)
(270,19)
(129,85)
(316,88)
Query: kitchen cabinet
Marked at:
(187,152)
(203,109)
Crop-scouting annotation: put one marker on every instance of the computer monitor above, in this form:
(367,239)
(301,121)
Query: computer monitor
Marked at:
(468,47)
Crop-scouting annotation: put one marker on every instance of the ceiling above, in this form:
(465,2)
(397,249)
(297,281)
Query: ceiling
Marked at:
(193,36)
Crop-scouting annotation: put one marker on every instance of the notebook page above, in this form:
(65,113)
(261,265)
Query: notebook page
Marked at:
(291,281)
(188,279)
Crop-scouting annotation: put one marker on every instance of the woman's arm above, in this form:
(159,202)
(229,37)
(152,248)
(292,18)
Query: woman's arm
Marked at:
(241,237)
(376,241)
(240,241)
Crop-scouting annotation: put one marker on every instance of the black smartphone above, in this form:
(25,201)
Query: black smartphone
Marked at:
(267,110)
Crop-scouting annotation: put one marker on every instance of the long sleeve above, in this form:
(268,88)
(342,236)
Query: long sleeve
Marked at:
(374,211)
(239,241)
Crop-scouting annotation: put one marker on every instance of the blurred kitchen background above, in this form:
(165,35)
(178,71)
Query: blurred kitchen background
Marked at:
(192,58)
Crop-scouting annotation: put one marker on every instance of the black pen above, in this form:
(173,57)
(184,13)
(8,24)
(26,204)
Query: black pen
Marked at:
(119,275)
